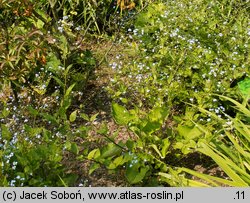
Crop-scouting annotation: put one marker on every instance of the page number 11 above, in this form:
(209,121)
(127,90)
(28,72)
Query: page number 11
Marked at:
(240,195)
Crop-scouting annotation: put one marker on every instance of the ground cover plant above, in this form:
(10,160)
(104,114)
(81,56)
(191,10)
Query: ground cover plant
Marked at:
(154,92)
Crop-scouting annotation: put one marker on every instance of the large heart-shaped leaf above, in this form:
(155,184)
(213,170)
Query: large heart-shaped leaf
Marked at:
(121,114)
(189,132)
(110,150)
(136,173)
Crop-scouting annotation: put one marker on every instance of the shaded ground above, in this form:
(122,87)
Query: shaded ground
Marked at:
(97,100)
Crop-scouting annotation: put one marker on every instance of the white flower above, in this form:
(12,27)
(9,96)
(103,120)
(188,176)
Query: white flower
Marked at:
(78,28)
(229,123)
(60,29)
(65,17)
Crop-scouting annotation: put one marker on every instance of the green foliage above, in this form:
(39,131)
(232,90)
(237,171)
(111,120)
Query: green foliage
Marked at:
(121,115)
(230,150)
(40,54)
(244,87)
(37,50)
(33,154)
(138,156)
(186,52)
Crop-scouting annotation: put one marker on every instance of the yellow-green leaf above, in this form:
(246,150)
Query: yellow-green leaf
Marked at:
(73,115)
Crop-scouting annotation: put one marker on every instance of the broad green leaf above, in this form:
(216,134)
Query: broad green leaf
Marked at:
(73,115)
(67,145)
(188,147)
(204,129)
(84,116)
(158,114)
(110,150)
(121,114)
(124,100)
(92,118)
(189,132)
(94,154)
(52,62)
(74,148)
(136,173)
(151,127)
(178,145)
(244,87)
(118,161)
